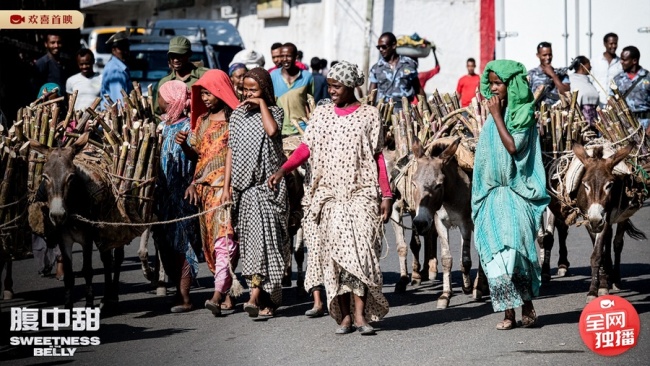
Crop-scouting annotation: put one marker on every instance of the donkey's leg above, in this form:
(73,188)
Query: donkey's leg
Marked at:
(563,260)
(447,259)
(118,258)
(431,254)
(466,256)
(300,261)
(87,271)
(143,253)
(8,285)
(481,287)
(595,262)
(161,284)
(545,240)
(615,278)
(402,250)
(68,274)
(107,261)
(605,262)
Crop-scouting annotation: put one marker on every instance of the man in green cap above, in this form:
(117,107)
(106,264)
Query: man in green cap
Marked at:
(180,50)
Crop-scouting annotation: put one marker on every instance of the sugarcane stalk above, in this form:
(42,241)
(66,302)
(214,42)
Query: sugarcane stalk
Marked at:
(52,129)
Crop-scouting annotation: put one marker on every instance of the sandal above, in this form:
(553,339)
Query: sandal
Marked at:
(181,309)
(345,329)
(226,307)
(530,320)
(213,307)
(506,324)
(252,310)
(366,329)
(267,313)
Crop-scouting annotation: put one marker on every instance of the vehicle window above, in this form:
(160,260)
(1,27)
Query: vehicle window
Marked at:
(153,65)
(101,46)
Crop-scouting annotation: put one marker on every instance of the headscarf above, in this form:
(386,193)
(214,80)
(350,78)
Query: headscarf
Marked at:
(263,78)
(234,67)
(216,82)
(47,88)
(520,98)
(250,58)
(347,74)
(177,97)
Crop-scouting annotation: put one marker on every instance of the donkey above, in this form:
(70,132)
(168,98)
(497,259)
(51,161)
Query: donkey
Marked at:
(76,185)
(402,204)
(603,200)
(442,194)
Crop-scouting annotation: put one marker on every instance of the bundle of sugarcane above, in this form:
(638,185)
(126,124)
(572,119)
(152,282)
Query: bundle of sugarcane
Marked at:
(616,122)
(13,194)
(561,124)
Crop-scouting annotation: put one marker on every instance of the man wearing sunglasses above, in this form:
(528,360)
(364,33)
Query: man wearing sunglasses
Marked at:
(555,81)
(394,76)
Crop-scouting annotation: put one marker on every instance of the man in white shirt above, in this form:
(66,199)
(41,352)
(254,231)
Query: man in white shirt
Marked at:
(87,82)
(607,66)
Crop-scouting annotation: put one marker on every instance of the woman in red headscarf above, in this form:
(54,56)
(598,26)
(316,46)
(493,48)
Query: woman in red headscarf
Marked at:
(212,101)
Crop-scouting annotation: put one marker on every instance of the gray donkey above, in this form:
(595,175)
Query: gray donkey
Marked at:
(442,197)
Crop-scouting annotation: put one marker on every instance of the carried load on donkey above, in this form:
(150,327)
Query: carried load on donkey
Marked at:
(101,177)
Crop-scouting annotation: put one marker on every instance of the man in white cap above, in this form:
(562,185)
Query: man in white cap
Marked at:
(115,76)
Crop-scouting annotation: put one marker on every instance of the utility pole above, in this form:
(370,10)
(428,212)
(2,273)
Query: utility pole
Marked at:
(370,6)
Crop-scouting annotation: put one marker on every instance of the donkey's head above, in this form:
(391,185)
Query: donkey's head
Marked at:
(595,195)
(59,173)
(428,182)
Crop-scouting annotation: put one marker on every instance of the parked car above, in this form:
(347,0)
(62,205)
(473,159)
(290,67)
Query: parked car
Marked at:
(222,36)
(149,61)
(95,39)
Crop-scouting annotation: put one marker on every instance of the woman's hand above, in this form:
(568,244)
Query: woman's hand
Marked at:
(494,105)
(253,103)
(181,137)
(385,208)
(226,196)
(275,179)
(192,195)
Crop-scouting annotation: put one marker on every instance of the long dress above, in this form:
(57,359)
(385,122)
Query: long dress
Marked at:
(342,220)
(210,140)
(259,214)
(508,200)
(176,174)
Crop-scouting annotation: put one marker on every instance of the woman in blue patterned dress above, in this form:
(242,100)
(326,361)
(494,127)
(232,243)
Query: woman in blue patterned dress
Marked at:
(176,242)
(509,192)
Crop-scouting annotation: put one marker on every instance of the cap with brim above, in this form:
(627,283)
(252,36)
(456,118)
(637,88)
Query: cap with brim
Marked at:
(118,37)
(179,45)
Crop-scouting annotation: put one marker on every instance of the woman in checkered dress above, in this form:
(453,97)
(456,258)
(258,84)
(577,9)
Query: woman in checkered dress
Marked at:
(260,214)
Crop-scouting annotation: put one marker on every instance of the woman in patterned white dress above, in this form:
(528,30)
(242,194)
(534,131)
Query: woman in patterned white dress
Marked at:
(343,217)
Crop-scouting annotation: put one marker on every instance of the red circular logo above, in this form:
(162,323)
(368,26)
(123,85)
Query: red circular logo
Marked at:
(609,325)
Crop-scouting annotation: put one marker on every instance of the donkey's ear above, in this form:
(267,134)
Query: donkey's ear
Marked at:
(450,151)
(620,154)
(80,143)
(580,152)
(417,148)
(38,147)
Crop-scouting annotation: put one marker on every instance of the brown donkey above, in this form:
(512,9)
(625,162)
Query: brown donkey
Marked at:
(442,194)
(77,185)
(602,199)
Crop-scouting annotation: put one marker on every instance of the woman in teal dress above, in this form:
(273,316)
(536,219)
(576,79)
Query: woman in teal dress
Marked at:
(178,242)
(509,192)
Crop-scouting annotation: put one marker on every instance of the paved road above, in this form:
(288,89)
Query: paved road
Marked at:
(414,332)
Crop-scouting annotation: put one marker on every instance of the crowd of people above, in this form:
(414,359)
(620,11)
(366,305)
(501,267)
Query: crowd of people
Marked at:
(229,140)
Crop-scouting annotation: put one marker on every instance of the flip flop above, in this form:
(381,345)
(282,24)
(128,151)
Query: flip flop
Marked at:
(252,310)
(268,315)
(506,324)
(181,309)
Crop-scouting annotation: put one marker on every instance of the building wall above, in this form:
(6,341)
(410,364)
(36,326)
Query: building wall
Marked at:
(543,20)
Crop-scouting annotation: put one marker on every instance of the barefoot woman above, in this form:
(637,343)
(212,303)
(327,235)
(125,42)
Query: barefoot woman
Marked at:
(509,192)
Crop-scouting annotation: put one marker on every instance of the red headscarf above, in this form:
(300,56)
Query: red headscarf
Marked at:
(216,82)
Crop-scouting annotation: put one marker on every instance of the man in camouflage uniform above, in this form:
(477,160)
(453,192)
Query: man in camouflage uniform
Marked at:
(634,85)
(556,81)
(394,76)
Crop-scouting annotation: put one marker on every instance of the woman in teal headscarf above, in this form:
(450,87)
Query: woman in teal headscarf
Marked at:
(509,192)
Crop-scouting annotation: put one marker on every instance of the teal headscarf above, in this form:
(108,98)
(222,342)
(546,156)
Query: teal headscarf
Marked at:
(48,87)
(520,98)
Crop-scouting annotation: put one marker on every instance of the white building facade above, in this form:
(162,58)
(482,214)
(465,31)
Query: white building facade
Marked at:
(348,29)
